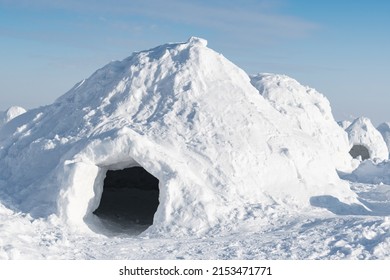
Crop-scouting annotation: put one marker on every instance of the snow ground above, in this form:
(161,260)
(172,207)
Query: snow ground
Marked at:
(333,236)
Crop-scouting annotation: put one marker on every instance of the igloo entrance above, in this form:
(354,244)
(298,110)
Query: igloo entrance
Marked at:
(359,150)
(129,199)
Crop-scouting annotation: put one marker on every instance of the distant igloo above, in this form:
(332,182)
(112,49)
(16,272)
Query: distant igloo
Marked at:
(179,121)
(365,140)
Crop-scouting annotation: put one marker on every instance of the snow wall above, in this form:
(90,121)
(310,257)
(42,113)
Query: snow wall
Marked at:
(223,155)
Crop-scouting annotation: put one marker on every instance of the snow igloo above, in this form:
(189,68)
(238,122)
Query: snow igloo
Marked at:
(366,141)
(179,121)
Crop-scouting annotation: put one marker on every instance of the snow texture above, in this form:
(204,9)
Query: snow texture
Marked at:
(362,132)
(384,129)
(309,111)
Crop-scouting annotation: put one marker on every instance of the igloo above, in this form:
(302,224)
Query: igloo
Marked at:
(221,154)
(365,140)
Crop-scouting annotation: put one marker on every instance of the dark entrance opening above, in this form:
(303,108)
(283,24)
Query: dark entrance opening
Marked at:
(359,150)
(129,199)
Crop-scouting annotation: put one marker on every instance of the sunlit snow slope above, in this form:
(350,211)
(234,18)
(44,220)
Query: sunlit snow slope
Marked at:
(308,111)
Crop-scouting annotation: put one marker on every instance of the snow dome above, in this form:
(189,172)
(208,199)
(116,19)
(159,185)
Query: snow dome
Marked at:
(179,127)
(366,141)
(309,111)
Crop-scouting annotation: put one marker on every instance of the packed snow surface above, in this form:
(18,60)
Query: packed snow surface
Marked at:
(362,132)
(239,178)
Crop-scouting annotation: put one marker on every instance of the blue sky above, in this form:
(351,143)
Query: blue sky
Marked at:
(339,47)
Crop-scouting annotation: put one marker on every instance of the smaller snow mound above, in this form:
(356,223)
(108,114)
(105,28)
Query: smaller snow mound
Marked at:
(362,133)
(10,114)
(309,111)
(384,129)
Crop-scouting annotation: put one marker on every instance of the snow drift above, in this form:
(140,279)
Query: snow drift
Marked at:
(309,111)
(192,119)
(364,137)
